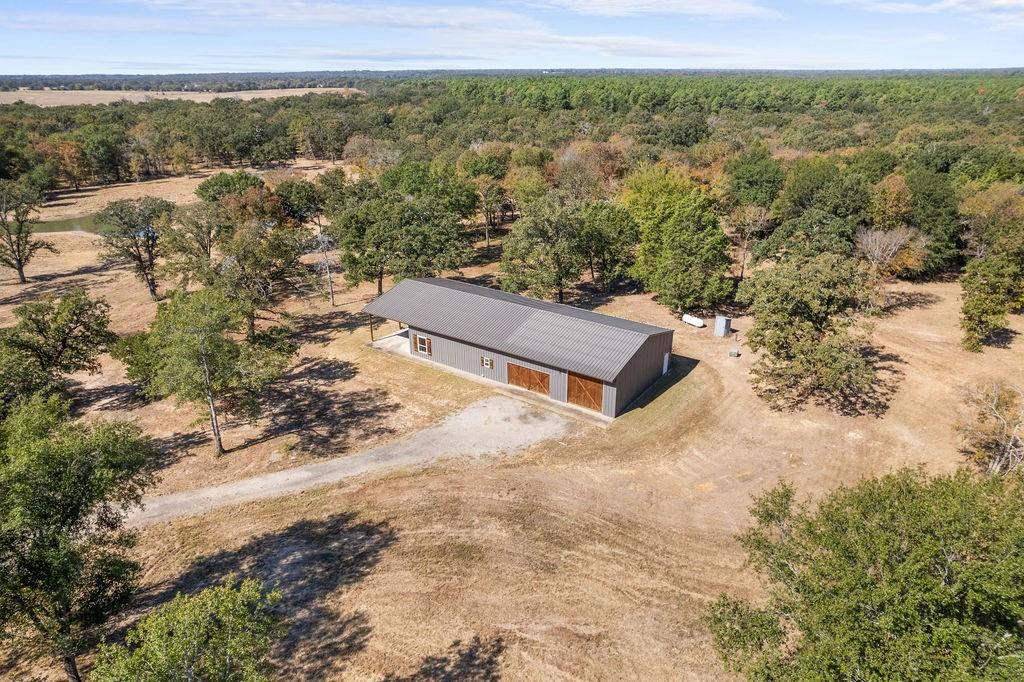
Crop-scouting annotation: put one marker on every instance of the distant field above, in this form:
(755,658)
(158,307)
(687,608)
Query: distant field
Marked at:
(55,98)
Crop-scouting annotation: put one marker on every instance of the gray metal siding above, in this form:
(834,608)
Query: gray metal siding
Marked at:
(552,335)
(466,357)
(641,371)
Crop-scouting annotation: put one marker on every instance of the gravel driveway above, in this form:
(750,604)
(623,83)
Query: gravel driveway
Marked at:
(495,425)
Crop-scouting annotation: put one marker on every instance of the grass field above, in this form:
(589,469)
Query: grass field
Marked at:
(65,206)
(56,98)
(588,557)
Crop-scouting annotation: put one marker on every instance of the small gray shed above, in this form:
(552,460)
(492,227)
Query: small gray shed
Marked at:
(595,361)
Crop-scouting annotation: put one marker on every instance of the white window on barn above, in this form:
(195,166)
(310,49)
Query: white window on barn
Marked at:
(423,345)
(486,362)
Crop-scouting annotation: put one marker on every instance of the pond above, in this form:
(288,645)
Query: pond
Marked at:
(83,224)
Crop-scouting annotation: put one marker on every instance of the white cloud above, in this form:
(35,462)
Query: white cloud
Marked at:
(633,46)
(725,9)
(319,13)
(371,56)
(998,13)
(60,23)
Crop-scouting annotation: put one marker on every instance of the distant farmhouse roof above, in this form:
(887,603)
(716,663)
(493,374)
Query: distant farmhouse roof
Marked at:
(561,336)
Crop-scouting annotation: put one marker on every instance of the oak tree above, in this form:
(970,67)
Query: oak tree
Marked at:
(18,203)
(222,633)
(132,236)
(65,488)
(192,352)
(543,252)
(897,578)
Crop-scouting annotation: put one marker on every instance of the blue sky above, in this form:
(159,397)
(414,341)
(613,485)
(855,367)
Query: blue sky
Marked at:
(166,36)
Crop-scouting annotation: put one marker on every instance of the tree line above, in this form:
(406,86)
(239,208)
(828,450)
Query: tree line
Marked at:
(706,210)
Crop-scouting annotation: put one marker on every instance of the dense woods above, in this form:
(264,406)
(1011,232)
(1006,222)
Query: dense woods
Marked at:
(797,199)
(680,184)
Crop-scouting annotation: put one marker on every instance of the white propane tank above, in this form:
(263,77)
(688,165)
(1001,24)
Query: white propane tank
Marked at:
(695,321)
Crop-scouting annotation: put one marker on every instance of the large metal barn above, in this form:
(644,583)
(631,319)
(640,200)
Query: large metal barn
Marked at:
(598,362)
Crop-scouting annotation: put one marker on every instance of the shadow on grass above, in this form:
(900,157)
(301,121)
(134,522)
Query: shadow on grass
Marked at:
(848,400)
(41,290)
(175,445)
(1000,338)
(486,280)
(485,255)
(477,660)
(318,327)
(898,301)
(590,296)
(123,396)
(679,368)
(875,400)
(304,403)
(308,562)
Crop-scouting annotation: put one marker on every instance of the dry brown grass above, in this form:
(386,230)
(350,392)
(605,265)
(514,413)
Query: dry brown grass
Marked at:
(56,98)
(586,558)
(181,189)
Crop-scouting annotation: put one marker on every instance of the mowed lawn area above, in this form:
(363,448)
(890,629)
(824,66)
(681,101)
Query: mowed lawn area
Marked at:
(587,557)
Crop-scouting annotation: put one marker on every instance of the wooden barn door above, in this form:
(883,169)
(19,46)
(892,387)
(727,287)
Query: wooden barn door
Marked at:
(586,392)
(531,379)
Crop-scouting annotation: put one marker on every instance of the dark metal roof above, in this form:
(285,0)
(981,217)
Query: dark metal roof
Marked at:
(559,336)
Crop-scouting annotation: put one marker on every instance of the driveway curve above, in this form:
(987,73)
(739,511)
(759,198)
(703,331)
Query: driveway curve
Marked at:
(493,426)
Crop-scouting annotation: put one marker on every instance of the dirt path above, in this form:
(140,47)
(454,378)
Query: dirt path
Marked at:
(491,426)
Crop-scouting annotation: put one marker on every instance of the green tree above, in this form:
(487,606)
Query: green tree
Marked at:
(258,260)
(526,184)
(221,633)
(993,287)
(64,490)
(808,313)
(17,246)
(491,158)
(651,192)
(543,253)
(302,200)
(683,253)
(133,236)
(609,236)
(216,187)
(755,177)
(390,235)
(806,178)
(60,336)
(438,185)
(188,237)
(492,199)
(897,578)
(20,379)
(192,352)
(993,281)
(812,233)
(935,213)
(105,146)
